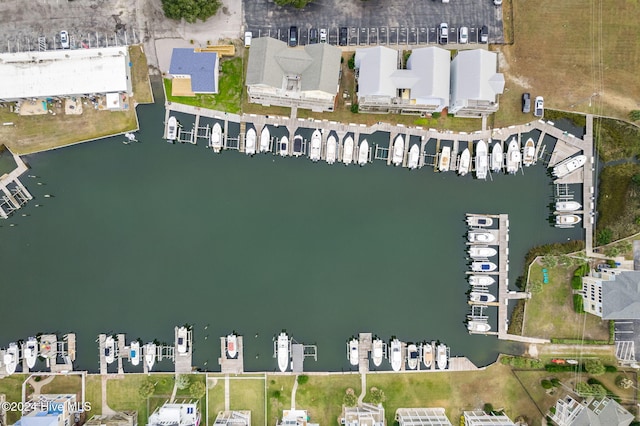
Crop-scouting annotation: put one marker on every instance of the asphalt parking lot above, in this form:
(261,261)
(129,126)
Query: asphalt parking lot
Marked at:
(627,340)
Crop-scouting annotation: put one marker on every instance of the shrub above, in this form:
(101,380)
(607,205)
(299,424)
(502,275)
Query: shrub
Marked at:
(377,396)
(488,408)
(182,381)
(546,384)
(350,399)
(146,389)
(197,389)
(555,382)
(577,304)
(303,379)
(610,369)
(521,362)
(576,283)
(594,367)
(623,382)
(558,368)
(276,394)
(352,62)
(436,115)
(604,236)
(354,108)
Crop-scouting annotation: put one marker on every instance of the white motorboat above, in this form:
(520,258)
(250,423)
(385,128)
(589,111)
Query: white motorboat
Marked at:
(250,142)
(398,151)
(478,252)
(11,358)
(109,349)
(134,352)
(297,145)
(481,297)
(513,156)
(567,206)
(182,341)
(352,346)
(283,351)
(442,357)
(465,162)
(396,355)
(377,352)
(481,237)
(482,160)
(283,146)
(347,151)
(412,356)
(332,148)
(569,165)
(316,145)
(150,354)
(445,159)
(172,129)
(481,280)
(265,139)
(30,352)
(414,156)
(479,221)
(363,153)
(216,137)
(497,157)
(478,326)
(232,345)
(529,152)
(566,220)
(427,354)
(483,266)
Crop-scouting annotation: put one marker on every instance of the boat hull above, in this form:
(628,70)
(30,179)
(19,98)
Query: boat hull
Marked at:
(478,326)
(150,355)
(529,153)
(265,139)
(109,347)
(316,145)
(427,355)
(443,358)
(465,161)
(377,352)
(513,157)
(482,252)
(497,157)
(347,151)
(283,352)
(483,266)
(216,138)
(482,162)
(332,146)
(396,355)
(353,352)
(567,206)
(31,352)
(250,142)
(172,129)
(134,353)
(445,159)
(414,156)
(363,153)
(412,357)
(398,151)
(481,297)
(283,146)
(481,280)
(481,237)
(232,345)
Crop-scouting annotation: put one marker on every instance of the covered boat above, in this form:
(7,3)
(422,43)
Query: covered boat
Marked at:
(483,266)
(442,356)
(283,146)
(347,151)
(465,162)
(395,354)
(216,137)
(172,129)
(297,145)
(30,352)
(497,157)
(352,346)
(377,352)
(529,153)
(567,206)
(427,354)
(478,252)
(481,280)
(481,237)
(134,352)
(482,160)
(232,345)
(283,351)
(414,156)
(183,343)
(569,165)
(363,153)
(412,356)
(398,151)
(513,156)
(109,350)
(250,142)
(445,159)
(563,220)
(316,146)
(481,297)
(265,139)
(150,354)
(479,221)
(332,149)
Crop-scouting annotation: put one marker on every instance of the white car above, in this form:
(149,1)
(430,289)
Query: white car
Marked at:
(247,38)
(464,35)
(444,33)
(323,35)
(64,39)
(538,109)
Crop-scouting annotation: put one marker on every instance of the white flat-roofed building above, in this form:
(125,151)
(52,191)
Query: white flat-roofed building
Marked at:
(480,418)
(64,73)
(295,418)
(422,417)
(186,414)
(363,415)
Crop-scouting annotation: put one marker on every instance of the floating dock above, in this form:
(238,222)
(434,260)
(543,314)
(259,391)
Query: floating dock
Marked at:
(231,365)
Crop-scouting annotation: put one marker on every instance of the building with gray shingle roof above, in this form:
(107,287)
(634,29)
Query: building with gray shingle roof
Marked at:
(199,68)
(279,75)
(590,412)
(475,83)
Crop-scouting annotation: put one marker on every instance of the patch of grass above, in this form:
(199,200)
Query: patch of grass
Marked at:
(216,397)
(577,304)
(93,393)
(140,75)
(71,383)
(246,394)
(618,203)
(11,387)
(323,396)
(578,120)
(616,139)
(279,396)
(122,394)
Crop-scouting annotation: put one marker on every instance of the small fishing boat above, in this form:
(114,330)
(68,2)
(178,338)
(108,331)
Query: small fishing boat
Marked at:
(398,151)
(465,162)
(250,142)
(529,152)
(478,252)
(483,266)
(445,159)
(30,352)
(134,352)
(172,129)
(414,156)
(427,354)
(353,355)
(567,206)
(442,356)
(347,151)
(412,356)
(475,326)
(216,137)
(232,345)
(316,145)
(283,146)
(513,156)
(265,139)
(481,280)
(109,350)
(482,160)
(332,148)
(363,153)
(283,351)
(567,220)
(479,221)
(297,145)
(396,355)
(11,358)
(377,352)
(497,157)
(481,237)
(150,354)
(182,341)
(569,165)
(481,297)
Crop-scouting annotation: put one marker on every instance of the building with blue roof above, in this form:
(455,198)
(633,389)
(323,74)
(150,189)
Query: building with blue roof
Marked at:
(50,410)
(193,72)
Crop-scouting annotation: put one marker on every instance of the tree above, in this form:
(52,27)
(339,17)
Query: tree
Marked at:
(197,389)
(190,10)
(295,3)
(182,381)
(594,367)
(147,389)
(350,399)
(377,395)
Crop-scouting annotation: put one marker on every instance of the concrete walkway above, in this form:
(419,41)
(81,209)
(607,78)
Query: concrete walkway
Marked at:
(363,386)
(226,392)
(106,410)
(175,389)
(293,394)
(37,386)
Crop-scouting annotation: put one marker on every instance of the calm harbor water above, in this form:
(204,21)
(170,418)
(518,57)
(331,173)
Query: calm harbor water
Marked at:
(139,238)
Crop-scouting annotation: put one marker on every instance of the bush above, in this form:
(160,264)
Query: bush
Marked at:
(352,62)
(521,362)
(182,381)
(577,303)
(146,389)
(555,382)
(576,283)
(546,384)
(610,369)
(488,408)
(436,115)
(197,389)
(350,399)
(377,396)
(354,108)
(594,367)
(623,382)
(303,379)
(559,368)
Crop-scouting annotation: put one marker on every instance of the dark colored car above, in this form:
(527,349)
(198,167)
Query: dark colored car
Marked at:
(313,35)
(526,103)
(344,36)
(293,36)
(484,34)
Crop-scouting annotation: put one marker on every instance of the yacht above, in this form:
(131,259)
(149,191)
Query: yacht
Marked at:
(353,351)
(232,345)
(569,165)
(445,159)
(347,151)
(172,129)
(465,162)
(479,252)
(182,340)
(481,297)
(414,156)
(567,220)
(297,145)
(216,137)
(250,142)
(377,352)
(475,326)
(363,153)
(134,352)
(442,356)
(481,280)
(150,354)
(497,157)
(332,148)
(427,354)
(396,355)
(513,156)
(412,356)
(283,351)
(316,145)
(398,151)
(11,358)
(567,206)
(479,221)
(109,350)
(481,237)
(482,160)
(30,352)
(283,146)
(265,139)
(483,266)
(529,153)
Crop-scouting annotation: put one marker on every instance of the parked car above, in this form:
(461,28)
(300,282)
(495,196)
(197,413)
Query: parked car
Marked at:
(293,36)
(313,36)
(538,110)
(64,39)
(484,34)
(444,33)
(323,35)
(464,35)
(526,103)
(344,36)
(247,38)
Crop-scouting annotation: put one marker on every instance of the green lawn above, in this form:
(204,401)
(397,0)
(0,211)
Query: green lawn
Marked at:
(71,383)
(248,394)
(140,75)
(11,387)
(278,396)
(93,393)
(215,402)
(322,396)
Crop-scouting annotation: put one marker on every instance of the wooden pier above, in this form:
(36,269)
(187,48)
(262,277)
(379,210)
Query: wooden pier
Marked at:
(15,193)
(365,346)
(231,365)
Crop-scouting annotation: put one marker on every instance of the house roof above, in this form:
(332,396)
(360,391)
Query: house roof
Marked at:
(474,76)
(433,66)
(621,296)
(376,67)
(38,420)
(201,66)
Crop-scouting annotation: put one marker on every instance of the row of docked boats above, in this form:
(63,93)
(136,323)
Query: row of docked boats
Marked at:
(427,353)
(480,237)
(566,216)
(28,351)
(134,350)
